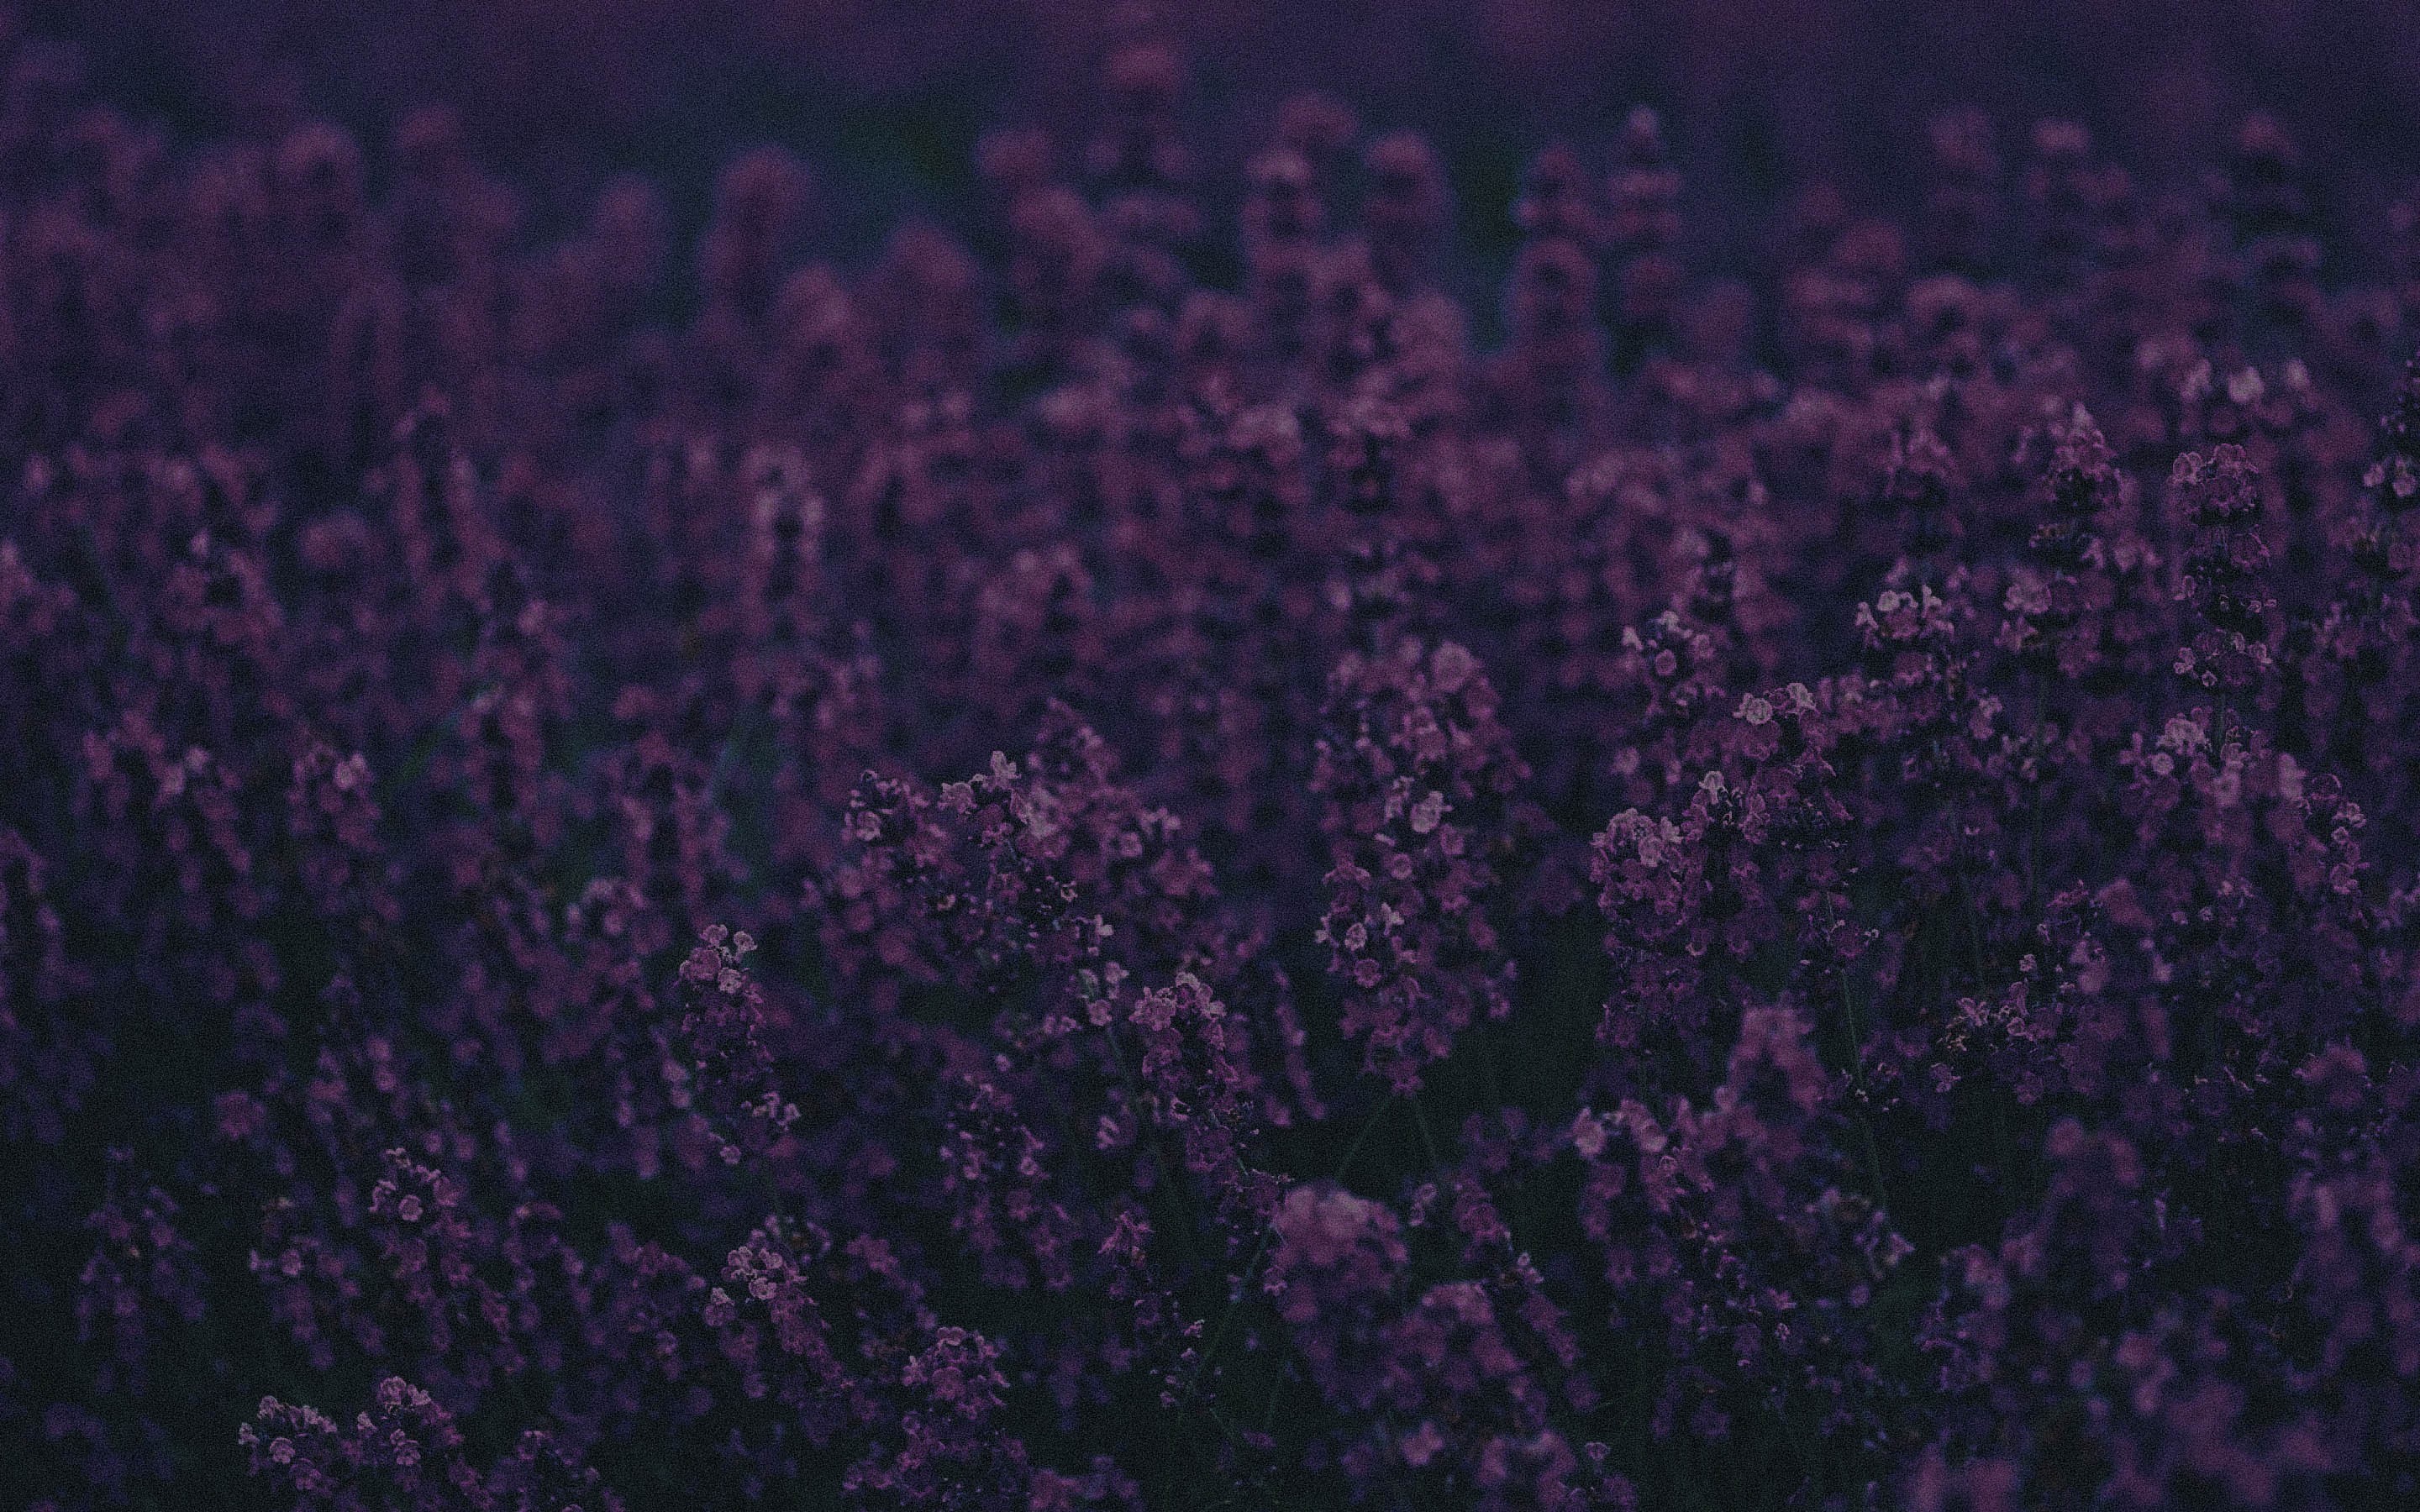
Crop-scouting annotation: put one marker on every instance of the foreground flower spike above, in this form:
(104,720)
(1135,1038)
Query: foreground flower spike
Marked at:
(1172,820)
(1429,831)
(2222,573)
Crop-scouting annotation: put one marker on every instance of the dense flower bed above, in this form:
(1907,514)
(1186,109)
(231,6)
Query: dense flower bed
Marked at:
(1011,880)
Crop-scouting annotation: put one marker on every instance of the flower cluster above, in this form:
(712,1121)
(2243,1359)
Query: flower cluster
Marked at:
(1126,855)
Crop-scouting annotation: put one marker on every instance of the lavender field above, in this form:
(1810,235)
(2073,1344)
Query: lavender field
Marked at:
(1249,777)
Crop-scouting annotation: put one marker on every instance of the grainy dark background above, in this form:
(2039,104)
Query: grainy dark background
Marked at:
(887,96)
